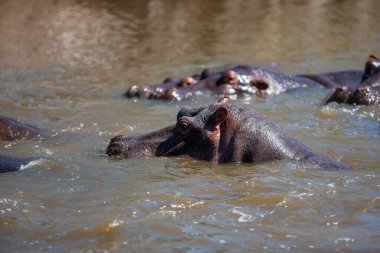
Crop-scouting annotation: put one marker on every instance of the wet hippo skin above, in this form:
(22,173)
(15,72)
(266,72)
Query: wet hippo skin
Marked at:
(11,130)
(220,133)
(8,164)
(365,92)
(239,80)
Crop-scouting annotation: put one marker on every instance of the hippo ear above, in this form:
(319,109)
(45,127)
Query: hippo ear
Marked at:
(218,116)
(373,57)
(371,67)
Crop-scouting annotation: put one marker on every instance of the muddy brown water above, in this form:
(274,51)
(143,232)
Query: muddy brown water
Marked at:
(65,64)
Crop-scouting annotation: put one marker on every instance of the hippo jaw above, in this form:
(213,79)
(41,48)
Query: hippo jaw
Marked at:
(140,146)
(171,147)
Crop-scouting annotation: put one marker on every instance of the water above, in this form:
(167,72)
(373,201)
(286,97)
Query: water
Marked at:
(64,65)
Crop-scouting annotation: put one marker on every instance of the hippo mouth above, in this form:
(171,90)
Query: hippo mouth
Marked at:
(171,147)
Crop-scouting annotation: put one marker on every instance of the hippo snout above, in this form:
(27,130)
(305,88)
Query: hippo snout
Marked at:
(124,146)
(116,148)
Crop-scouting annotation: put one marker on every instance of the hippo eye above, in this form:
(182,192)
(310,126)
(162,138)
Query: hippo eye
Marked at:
(187,81)
(184,127)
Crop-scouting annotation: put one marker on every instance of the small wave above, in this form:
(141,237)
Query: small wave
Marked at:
(31,164)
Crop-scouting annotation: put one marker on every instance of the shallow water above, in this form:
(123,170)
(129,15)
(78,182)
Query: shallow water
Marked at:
(65,65)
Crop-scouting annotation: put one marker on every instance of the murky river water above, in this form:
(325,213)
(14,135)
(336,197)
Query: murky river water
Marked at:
(64,65)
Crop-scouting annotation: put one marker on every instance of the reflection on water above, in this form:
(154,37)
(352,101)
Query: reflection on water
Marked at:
(64,65)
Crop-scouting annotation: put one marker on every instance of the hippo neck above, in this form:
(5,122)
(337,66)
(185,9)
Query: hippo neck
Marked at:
(249,137)
(227,145)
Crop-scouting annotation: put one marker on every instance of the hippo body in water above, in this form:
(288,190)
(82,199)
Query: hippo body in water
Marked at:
(8,164)
(239,80)
(365,92)
(220,133)
(13,130)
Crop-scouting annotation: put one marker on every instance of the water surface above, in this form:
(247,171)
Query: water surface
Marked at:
(64,65)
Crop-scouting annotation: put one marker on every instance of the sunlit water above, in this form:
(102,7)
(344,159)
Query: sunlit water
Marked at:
(64,65)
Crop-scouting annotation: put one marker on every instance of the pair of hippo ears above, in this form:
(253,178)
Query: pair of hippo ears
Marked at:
(191,112)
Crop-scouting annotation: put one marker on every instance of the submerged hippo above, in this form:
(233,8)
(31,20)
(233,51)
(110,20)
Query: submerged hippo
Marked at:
(8,164)
(239,80)
(220,133)
(13,130)
(365,92)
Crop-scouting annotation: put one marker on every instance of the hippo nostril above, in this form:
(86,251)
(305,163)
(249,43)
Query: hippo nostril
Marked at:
(187,81)
(115,149)
(133,91)
(260,85)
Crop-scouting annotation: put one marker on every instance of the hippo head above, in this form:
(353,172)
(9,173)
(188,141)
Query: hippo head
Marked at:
(196,134)
(367,92)
(365,95)
(229,80)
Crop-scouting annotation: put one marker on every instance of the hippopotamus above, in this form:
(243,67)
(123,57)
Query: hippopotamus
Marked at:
(239,80)
(13,130)
(365,92)
(220,133)
(8,164)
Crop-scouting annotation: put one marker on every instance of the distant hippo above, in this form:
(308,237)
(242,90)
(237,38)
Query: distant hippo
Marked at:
(365,92)
(239,80)
(220,133)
